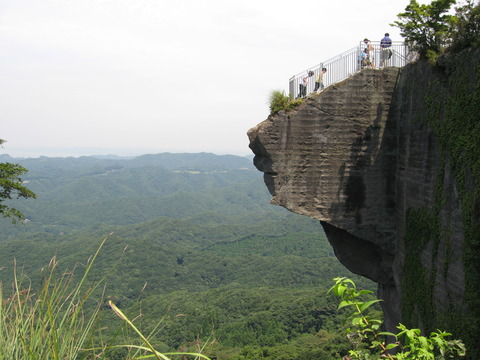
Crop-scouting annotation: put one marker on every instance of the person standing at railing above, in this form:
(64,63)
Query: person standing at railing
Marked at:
(319,80)
(303,84)
(363,58)
(385,52)
(370,52)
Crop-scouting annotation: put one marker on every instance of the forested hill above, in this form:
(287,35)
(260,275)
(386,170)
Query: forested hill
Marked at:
(191,234)
(73,193)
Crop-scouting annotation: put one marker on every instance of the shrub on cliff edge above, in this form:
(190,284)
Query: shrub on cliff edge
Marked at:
(279,101)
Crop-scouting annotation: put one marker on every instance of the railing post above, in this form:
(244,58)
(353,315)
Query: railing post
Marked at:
(291,89)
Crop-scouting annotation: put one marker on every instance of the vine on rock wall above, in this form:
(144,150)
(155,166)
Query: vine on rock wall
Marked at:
(452,109)
(418,282)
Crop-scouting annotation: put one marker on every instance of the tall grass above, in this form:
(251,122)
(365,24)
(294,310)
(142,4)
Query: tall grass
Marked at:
(148,348)
(54,322)
(51,323)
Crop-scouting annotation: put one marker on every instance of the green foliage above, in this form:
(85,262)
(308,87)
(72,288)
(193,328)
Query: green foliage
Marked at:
(293,104)
(422,228)
(407,343)
(452,105)
(78,193)
(365,327)
(430,30)
(148,348)
(10,187)
(197,253)
(466,27)
(50,324)
(415,346)
(279,101)
(426,27)
(62,320)
(241,313)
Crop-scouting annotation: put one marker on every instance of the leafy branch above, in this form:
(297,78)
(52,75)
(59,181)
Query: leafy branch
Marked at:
(431,29)
(11,187)
(409,343)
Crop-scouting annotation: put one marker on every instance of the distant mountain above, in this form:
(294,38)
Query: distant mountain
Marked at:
(74,193)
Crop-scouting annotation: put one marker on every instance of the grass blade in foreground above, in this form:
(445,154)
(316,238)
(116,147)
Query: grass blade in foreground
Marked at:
(149,347)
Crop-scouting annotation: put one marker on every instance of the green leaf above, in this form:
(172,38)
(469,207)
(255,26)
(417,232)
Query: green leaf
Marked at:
(367,304)
(365,292)
(391,346)
(424,342)
(345,303)
(386,333)
(357,320)
(340,290)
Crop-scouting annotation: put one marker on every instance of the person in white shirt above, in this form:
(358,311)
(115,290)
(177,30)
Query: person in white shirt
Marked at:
(371,52)
(303,85)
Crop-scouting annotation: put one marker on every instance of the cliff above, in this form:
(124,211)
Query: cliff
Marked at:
(389,162)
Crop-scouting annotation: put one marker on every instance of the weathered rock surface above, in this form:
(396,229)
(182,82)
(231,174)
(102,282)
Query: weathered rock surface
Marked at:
(334,159)
(358,157)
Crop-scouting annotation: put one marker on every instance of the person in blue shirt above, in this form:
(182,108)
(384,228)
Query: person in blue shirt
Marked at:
(363,58)
(385,52)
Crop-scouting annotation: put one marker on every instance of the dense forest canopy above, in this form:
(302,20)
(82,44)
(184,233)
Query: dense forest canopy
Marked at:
(191,234)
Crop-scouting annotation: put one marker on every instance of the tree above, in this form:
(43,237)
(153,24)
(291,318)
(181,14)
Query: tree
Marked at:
(427,27)
(466,28)
(10,187)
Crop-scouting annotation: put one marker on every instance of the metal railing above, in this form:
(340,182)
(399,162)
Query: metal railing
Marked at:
(349,62)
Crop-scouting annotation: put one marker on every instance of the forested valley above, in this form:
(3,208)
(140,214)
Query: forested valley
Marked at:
(194,253)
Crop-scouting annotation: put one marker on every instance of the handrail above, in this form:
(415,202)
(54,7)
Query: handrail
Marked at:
(349,62)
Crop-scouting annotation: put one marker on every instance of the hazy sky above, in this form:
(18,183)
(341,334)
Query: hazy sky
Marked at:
(83,77)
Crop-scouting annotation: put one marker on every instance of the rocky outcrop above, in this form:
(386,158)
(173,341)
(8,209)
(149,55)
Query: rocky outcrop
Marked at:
(327,159)
(371,160)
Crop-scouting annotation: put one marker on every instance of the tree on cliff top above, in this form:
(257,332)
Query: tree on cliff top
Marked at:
(11,185)
(426,27)
(430,30)
(466,28)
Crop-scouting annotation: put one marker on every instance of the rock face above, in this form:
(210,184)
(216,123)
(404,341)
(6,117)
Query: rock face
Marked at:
(334,159)
(368,159)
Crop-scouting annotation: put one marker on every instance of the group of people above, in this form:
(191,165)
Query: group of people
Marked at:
(367,59)
(319,85)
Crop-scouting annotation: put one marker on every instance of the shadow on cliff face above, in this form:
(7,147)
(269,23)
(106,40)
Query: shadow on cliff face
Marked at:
(360,256)
(362,150)
(369,190)
(263,162)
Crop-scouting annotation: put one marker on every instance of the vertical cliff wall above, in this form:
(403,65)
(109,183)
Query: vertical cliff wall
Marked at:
(389,162)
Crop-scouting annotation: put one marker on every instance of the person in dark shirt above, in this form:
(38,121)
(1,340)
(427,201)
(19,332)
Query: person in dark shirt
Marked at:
(385,52)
